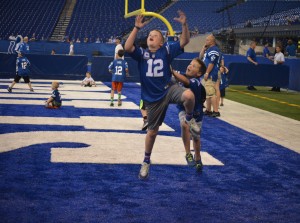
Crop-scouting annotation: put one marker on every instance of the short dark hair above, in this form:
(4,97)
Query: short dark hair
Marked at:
(121,53)
(119,38)
(202,68)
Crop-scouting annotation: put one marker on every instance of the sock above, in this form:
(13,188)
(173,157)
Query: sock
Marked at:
(188,116)
(112,99)
(147,158)
(119,96)
(145,118)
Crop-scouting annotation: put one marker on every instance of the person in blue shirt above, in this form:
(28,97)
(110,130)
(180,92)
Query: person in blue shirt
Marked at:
(24,47)
(266,51)
(157,90)
(224,83)
(191,80)
(54,101)
(22,71)
(251,58)
(212,60)
(291,49)
(119,70)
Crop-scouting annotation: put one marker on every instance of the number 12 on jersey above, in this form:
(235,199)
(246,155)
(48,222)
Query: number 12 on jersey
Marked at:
(155,68)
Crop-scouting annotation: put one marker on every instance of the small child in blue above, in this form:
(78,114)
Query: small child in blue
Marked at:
(191,80)
(119,70)
(223,83)
(55,99)
(22,71)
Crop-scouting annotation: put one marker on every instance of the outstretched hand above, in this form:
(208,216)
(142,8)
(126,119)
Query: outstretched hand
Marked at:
(139,21)
(181,18)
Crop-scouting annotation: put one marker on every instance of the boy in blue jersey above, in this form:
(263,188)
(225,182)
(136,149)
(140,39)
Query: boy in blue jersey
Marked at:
(55,99)
(212,61)
(22,71)
(23,47)
(224,83)
(119,70)
(191,80)
(157,91)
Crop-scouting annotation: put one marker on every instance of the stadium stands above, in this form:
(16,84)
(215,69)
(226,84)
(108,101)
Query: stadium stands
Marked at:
(27,17)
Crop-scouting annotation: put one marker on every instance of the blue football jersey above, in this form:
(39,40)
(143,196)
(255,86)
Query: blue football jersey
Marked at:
(154,67)
(212,56)
(23,48)
(118,68)
(251,53)
(56,96)
(195,86)
(22,65)
(224,81)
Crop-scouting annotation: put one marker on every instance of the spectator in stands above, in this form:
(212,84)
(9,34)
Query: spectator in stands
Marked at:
(12,37)
(86,40)
(97,40)
(248,24)
(78,40)
(278,59)
(32,39)
(291,49)
(251,57)
(119,70)
(118,47)
(211,60)
(53,52)
(22,71)
(266,51)
(71,52)
(231,41)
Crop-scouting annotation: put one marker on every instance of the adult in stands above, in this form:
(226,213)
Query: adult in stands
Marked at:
(118,47)
(251,58)
(71,52)
(12,37)
(266,51)
(291,49)
(53,52)
(78,40)
(32,38)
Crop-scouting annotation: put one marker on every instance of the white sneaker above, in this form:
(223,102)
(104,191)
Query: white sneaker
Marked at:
(194,128)
(144,171)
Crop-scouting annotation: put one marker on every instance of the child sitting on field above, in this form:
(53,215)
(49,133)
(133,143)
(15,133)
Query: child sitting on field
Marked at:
(55,99)
(88,81)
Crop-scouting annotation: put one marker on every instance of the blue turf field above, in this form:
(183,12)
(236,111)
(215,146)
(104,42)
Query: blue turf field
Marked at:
(259,182)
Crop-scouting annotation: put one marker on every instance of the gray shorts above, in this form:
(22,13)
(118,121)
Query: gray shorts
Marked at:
(157,110)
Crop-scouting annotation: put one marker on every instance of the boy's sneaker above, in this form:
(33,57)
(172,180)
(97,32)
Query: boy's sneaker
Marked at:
(119,103)
(216,114)
(208,113)
(111,104)
(221,104)
(31,90)
(199,166)
(9,89)
(194,128)
(144,171)
(145,125)
(190,159)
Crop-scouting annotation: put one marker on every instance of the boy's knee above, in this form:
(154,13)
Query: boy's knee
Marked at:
(188,95)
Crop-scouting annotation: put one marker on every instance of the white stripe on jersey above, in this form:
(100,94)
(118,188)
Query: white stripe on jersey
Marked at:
(213,52)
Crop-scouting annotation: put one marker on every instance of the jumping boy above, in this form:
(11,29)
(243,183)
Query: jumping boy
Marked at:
(157,91)
(22,71)
(191,80)
(119,70)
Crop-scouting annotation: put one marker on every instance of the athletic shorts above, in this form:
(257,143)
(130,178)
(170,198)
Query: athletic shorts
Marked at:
(25,78)
(181,117)
(156,111)
(222,91)
(117,86)
(56,104)
(210,88)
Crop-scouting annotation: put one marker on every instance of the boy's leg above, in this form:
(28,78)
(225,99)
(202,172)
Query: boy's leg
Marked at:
(197,148)
(119,88)
(186,138)
(112,97)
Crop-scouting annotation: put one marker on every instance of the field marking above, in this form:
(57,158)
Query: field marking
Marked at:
(265,98)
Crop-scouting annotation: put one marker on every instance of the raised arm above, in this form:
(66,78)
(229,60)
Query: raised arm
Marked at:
(129,44)
(181,78)
(185,36)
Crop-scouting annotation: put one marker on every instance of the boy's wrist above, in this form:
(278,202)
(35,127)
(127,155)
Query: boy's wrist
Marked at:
(138,28)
